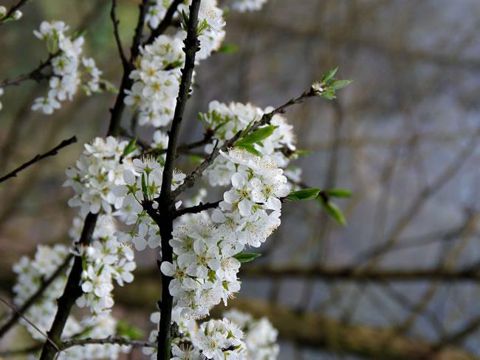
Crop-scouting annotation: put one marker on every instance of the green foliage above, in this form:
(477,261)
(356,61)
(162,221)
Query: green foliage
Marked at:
(124,329)
(324,198)
(130,148)
(304,194)
(339,193)
(245,257)
(255,137)
(333,211)
(328,86)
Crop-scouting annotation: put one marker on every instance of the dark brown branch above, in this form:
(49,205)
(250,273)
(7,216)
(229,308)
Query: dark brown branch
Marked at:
(116,34)
(36,74)
(166,200)
(166,21)
(197,208)
(39,157)
(108,340)
(72,292)
(35,296)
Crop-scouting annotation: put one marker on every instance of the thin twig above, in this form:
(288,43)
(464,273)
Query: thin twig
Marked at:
(52,343)
(39,157)
(191,179)
(116,34)
(166,21)
(36,74)
(34,297)
(115,340)
(197,208)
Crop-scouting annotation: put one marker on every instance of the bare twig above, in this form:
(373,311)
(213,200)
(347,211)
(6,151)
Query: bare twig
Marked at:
(108,340)
(166,21)
(38,158)
(197,208)
(36,74)
(34,297)
(116,34)
(191,179)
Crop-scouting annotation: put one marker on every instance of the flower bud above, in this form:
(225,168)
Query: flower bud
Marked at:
(17,15)
(3,11)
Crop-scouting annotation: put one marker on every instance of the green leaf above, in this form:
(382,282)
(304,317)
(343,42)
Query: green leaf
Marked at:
(124,329)
(339,193)
(245,257)
(131,147)
(229,48)
(250,148)
(257,136)
(304,194)
(334,212)
(340,84)
(329,75)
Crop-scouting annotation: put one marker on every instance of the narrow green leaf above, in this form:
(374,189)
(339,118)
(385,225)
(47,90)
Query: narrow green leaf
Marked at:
(245,257)
(304,194)
(335,212)
(339,193)
(250,148)
(329,75)
(257,136)
(340,84)
(124,329)
(131,147)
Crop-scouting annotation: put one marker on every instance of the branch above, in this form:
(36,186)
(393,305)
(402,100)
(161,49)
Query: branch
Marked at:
(197,208)
(116,34)
(191,179)
(314,330)
(34,297)
(115,340)
(353,274)
(166,21)
(39,157)
(166,200)
(72,292)
(36,74)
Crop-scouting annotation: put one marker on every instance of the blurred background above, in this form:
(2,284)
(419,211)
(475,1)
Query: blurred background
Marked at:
(401,280)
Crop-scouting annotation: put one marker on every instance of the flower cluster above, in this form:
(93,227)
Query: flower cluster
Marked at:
(105,260)
(30,276)
(156,81)
(97,172)
(157,74)
(219,339)
(248,5)
(142,182)
(237,336)
(260,336)
(204,269)
(68,66)
(228,119)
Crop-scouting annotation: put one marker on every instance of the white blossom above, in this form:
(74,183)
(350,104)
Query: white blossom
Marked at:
(68,67)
